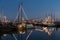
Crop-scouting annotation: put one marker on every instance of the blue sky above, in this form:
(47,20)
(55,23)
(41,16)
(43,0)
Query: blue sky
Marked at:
(33,8)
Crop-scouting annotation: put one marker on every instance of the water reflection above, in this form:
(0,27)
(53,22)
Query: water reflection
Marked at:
(34,34)
(46,29)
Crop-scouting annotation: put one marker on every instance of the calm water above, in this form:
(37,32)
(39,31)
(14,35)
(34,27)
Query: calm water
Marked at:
(42,33)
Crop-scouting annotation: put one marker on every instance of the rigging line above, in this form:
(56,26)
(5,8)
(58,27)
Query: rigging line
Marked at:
(18,13)
(14,36)
(29,35)
(25,14)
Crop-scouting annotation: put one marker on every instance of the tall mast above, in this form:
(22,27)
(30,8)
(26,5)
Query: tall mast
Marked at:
(20,13)
(51,14)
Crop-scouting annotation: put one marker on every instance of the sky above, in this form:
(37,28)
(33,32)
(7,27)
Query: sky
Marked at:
(33,8)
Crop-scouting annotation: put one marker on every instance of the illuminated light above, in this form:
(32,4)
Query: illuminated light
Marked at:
(21,28)
(21,32)
(4,34)
(49,33)
(19,25)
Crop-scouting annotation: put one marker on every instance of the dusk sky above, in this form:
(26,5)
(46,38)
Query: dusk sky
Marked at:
(33,8)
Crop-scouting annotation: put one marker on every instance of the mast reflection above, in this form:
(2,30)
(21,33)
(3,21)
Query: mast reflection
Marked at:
(48,30)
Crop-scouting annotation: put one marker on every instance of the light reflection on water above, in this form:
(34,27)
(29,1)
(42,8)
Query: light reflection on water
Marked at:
(41,33)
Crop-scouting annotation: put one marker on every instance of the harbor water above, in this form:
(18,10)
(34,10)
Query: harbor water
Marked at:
(40,33)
